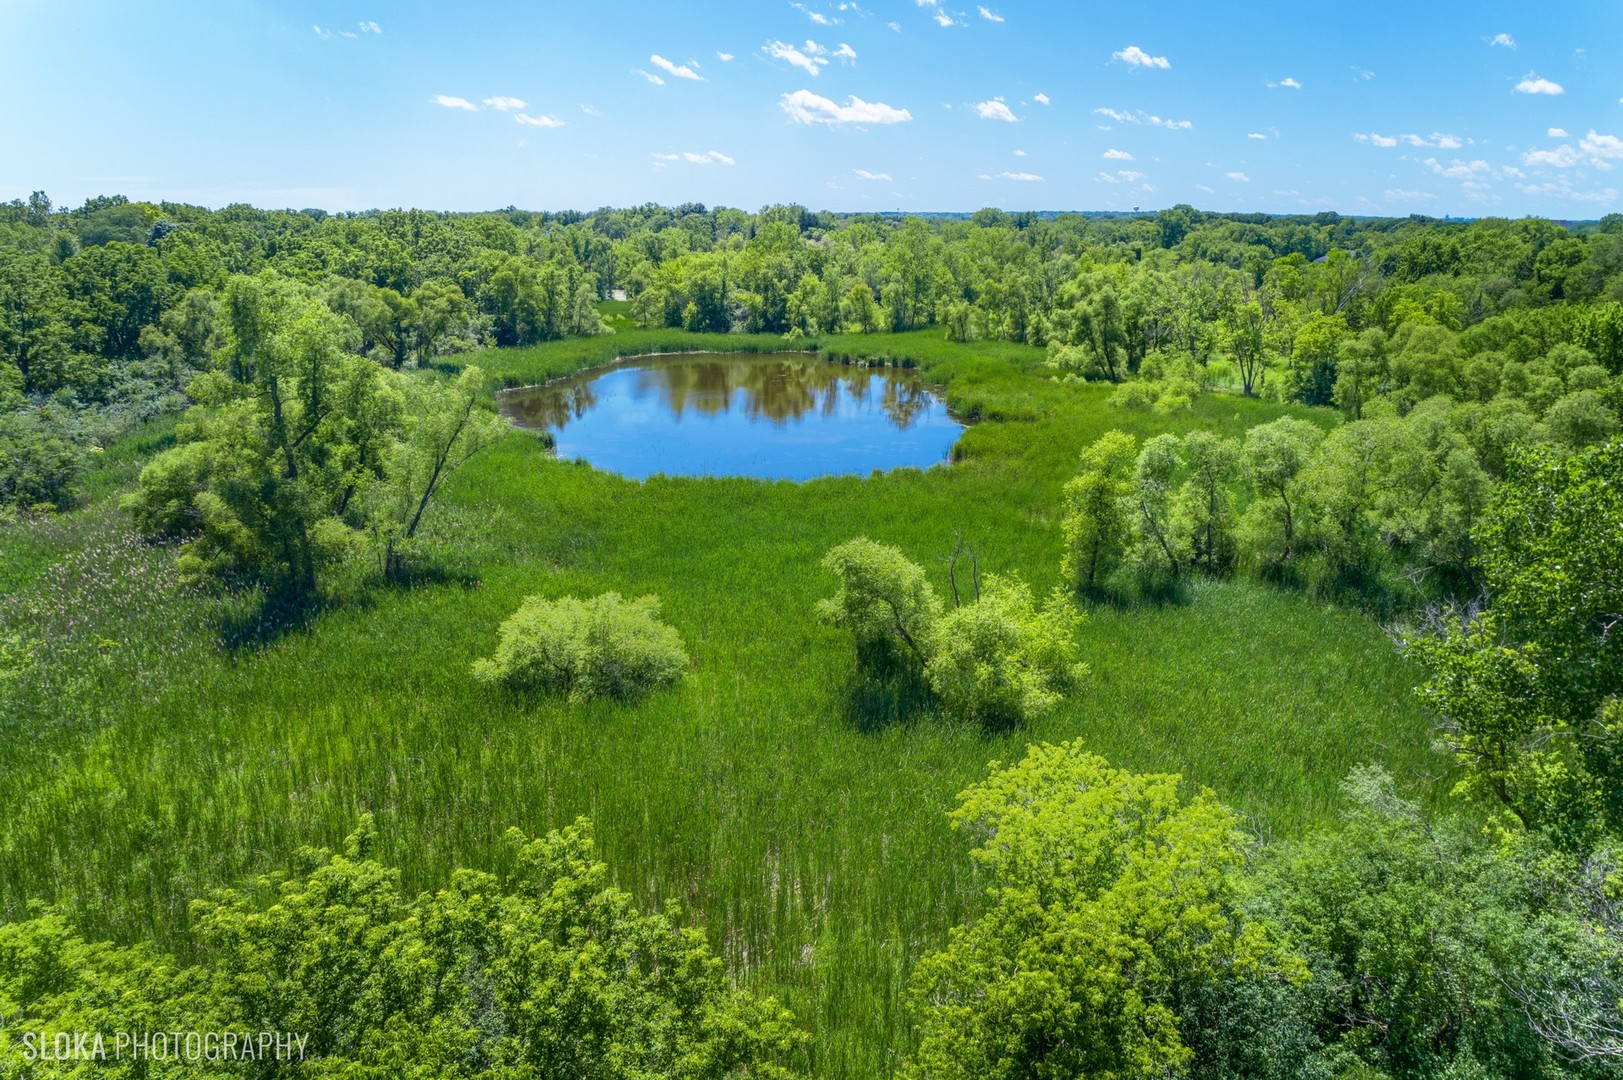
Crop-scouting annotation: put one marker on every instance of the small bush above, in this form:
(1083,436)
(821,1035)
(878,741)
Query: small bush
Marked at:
(1004,660)
(605,646)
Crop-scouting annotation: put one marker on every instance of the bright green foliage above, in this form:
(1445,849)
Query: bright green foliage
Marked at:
(998,659)
(1274,456)
(1157,554)
(441,426)
(297,450)
(1110,898)
(1204,510)
(1098,512)
(544,970)
(1521,690)
(605,646)
(884,599)
(1003,660)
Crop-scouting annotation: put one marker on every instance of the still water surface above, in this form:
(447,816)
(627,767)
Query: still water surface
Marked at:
(782,417)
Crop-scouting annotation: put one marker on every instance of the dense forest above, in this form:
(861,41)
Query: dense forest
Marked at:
(1211,445)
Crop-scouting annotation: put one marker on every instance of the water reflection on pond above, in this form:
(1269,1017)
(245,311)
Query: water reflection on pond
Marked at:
(783,417)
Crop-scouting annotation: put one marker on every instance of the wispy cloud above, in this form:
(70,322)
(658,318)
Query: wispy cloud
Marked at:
(805,107)
(1139,116)
(1133,56)
(1287,83)
(1557,133)
(1594,149)
(1116,155)
(649,75)
(1238,177)
(675,71)
(1022,177)
(1535,85)
(995,110)
(455,102)
(1256,135)
(808,60)
(866,175)
(542,121)
(505,104)
(1120,176)
(711,157)
(1502,39)
(1041,99)
(371,28)
(1374,139)
(989,15)
(725,57)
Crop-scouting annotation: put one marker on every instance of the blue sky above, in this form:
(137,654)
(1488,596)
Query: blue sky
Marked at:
(1461,109)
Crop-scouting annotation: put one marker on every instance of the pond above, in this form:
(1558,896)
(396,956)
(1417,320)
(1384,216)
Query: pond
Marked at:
(780,417)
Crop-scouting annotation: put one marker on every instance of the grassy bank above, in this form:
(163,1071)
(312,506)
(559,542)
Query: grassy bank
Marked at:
(143,761)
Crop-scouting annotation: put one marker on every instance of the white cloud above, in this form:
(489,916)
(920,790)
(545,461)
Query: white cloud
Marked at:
(1502,39)
(995,110)
(713,157)
(1461,170)
(866,175)
(1557,133)
(806,61)
(505,104)
(989,15)
(589,110)
(1400,195)
(1535,85)
(675,71)
(542,121)
(817,16)
(1041,99)
(320,33)
(1120,176)
(805,107)
(1116,155)
(725,57)
(896,26)
(1600,147)
(1139,116)
(1023,177)
(1239,176)
(846,53)
(649,75)
(1133,56)
(1019,153)
(1376,140)
(371,28)
(1207,190)
(1256,135)
(1288,83)
(455,102)
(1445,142)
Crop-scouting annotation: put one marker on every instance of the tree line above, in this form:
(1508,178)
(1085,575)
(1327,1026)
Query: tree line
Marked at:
(109,309)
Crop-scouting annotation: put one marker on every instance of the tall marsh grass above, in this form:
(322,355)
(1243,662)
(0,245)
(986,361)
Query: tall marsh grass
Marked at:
(143,759)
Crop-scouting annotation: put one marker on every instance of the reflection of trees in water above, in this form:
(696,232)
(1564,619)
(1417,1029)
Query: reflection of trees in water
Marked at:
(550,406)
(775,390)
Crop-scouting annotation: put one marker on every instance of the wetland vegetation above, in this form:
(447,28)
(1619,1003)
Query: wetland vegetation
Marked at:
(1329,508)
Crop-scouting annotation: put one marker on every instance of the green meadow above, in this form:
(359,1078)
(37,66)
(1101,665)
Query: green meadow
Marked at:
(155,743)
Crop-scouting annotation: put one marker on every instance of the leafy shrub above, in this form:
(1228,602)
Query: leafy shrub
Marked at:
(605,646)
(1002,659)
(38,460)
(998,659)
